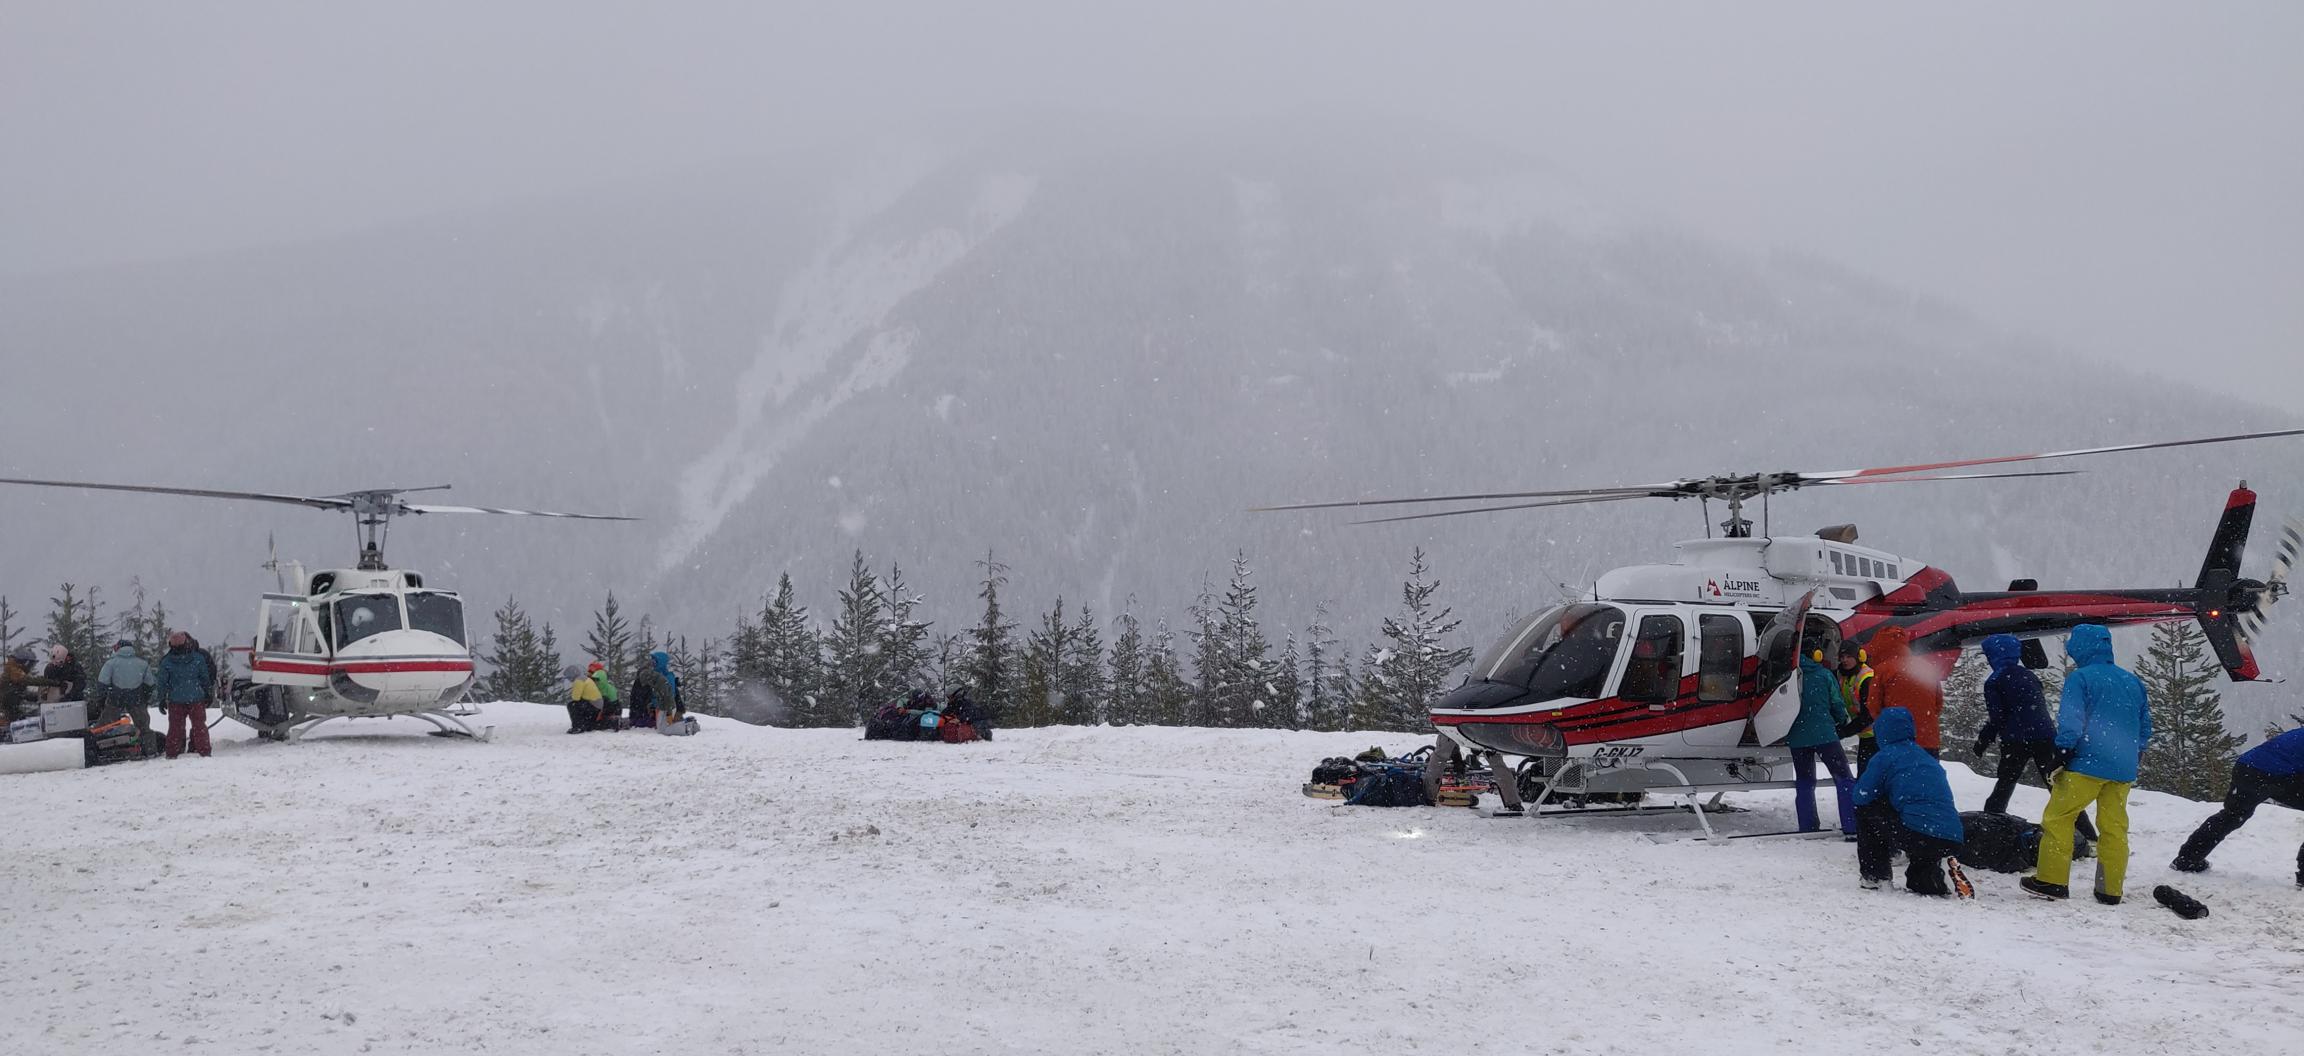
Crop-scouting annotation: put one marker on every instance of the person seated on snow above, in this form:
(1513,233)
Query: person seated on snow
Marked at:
(17,701)
(609,707)
(1903,803)
(583,701)
(964,708)
(64,669)
(1815,735)
(655,691)
(2016,715)
(2273,770)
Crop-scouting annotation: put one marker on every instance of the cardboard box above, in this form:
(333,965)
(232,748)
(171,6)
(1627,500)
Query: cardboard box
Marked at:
(63,717)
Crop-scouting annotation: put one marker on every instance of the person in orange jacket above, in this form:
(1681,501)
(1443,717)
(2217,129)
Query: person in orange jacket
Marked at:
(1909,682)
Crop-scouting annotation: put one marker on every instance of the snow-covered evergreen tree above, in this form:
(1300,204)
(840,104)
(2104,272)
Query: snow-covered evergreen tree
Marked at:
(2191,752)
(791,665)
(1040,700)
(524,664)
(1327,675)
(10,630)
(1125,701)
(610,642)
(1081,687)
(76,622)
(1404,675)
(855,671)
(1167,696)
(1964,709)
(1284,688)
(904,644)
(992,673)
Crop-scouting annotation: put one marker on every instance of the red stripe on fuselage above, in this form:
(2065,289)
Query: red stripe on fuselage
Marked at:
(361,667)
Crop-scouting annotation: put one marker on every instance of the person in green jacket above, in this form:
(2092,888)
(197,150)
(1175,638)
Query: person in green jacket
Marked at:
(609,708)
(1816,735)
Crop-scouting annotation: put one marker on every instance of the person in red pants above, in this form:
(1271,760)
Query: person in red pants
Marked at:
(187,685)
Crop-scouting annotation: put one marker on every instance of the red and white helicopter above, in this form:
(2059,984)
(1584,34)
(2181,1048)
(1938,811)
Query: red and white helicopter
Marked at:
(346,643)
(1676,678)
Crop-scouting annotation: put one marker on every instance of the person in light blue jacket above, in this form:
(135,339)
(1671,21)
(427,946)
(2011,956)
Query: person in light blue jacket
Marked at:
(126,682)
(2102,726)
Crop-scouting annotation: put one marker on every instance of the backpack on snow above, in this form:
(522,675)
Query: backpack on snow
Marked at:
(1388,786)
(2005,843)
(954,731)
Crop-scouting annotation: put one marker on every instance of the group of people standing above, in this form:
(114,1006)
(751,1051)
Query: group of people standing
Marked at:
(183,681)
(2088,753)
(595,704)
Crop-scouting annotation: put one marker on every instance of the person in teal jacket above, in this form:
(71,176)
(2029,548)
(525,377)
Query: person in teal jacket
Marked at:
(2102,726)
(1815,735)
(1903,803)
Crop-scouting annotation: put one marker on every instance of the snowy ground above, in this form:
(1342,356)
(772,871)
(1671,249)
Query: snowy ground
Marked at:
(1058,891)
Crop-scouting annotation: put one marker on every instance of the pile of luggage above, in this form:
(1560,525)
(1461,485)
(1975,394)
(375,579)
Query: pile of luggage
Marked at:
(1375,779)
(110,737)
(2005,843)
(920,718)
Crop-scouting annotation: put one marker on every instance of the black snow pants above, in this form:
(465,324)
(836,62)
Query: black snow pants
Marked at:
(1880,834)
(2250,789)
(2014,757)
(582,718)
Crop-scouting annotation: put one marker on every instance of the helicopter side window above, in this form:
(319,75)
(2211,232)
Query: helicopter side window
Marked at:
(1653,673)
(1719,658)
(1836,567)
(361,615)
(1560,652)
(441,614)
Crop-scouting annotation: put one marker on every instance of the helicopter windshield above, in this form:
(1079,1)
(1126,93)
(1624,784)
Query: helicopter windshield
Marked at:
(361,615)
(441,614)
(1562,652)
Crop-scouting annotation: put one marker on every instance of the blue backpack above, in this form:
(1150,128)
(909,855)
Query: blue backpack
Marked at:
(929,720)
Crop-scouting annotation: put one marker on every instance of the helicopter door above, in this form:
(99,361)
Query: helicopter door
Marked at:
(1780,652)
(289,650)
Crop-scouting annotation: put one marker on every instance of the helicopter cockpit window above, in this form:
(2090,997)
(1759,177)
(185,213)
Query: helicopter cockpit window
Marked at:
(1653,673)
(441,614)
(1561,652)
(361,615)
(1719,658)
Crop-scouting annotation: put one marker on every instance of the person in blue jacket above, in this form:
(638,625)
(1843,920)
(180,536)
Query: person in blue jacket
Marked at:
(1816,735)
(1903,803)
(2102,726)
(2273,770)
(2016,715)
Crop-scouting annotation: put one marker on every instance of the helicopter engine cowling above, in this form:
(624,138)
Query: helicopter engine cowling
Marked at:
(402,670)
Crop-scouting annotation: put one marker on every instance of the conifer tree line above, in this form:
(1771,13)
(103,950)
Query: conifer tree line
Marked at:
(1217,666)
(2191,751)
(80,621)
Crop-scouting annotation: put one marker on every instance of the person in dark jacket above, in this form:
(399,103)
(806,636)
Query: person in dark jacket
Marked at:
(1816,735)
(964,707)
(2273,770)
(655,692)
(2016,715)
(64,669)
(1903,803)
(186,682)
(2103,723)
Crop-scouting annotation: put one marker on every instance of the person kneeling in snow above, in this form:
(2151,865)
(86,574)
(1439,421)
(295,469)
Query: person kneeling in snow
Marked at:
(583,701)
(2273,770)
(1903,803)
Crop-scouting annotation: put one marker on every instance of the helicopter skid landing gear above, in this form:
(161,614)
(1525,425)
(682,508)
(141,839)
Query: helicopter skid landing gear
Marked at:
(444,723)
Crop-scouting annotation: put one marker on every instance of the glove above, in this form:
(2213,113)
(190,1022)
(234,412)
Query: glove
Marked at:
(2064,757)
(1981,744)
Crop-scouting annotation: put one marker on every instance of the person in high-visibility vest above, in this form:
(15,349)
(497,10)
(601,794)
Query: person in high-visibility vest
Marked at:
(1856,685)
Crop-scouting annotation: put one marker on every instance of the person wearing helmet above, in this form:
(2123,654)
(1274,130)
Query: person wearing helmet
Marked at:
(63,669)
(610,708)
(17,683)
(1856,689)
(583,700)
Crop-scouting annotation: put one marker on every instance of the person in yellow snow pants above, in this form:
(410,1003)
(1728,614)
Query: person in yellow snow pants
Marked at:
(2071,795)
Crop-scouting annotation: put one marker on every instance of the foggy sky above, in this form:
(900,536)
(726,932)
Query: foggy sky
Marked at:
(2119,177)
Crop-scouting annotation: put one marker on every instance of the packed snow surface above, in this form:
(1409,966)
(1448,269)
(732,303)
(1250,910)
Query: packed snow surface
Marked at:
(1056,891)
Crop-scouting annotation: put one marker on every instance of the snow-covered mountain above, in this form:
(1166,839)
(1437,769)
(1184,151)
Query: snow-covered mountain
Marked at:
(1087,348)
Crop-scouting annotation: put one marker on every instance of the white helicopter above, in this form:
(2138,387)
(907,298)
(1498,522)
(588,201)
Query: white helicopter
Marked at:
(364,642)
(1675,679)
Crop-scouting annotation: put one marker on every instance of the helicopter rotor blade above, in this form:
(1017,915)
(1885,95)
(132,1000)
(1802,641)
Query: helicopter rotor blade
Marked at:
(407,507)
(390,491)
(1892,471)
(1516,506)
(1954,476)
(1631,492)
(318,502)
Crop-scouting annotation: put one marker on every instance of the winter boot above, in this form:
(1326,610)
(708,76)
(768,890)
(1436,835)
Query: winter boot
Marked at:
(1869,883)
(2039,888)
(2189,865)
(2103,899)
(1961,888)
